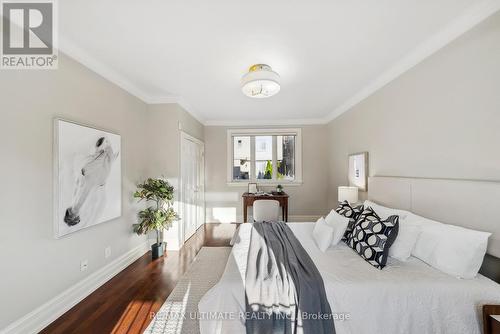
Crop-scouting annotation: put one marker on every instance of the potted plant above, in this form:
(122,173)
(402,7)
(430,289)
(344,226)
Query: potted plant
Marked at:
(158,217)
(279,189)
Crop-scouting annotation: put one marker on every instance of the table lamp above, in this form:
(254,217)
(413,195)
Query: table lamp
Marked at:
(349,194)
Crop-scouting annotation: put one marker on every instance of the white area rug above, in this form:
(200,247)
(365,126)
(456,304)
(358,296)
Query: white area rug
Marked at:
(178,315)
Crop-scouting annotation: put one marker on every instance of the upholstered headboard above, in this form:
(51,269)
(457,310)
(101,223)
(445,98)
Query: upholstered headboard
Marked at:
(470,204)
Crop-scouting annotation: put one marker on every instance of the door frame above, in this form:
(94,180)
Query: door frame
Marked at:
(186,136)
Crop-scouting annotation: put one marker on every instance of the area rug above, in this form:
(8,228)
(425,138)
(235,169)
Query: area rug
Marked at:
(178,314)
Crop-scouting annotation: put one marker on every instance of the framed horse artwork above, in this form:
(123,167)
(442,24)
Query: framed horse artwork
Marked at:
(87,180)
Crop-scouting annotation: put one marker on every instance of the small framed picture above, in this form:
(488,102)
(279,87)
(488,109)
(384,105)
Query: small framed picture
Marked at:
(252,188)
(358,170)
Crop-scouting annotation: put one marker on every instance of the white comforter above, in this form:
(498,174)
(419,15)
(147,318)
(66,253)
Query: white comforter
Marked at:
(404,297)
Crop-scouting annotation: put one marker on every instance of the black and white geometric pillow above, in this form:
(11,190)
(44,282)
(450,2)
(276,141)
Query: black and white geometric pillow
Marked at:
(372,237)
(346,210)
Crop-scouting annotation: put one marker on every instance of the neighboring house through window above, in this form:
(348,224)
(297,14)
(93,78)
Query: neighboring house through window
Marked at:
(265,156)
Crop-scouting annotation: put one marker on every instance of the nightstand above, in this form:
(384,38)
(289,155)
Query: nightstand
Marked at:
(491,319)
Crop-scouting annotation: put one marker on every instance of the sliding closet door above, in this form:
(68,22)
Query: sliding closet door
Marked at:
(192,185)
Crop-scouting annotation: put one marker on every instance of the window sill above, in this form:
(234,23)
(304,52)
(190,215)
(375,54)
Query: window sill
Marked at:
(265,184)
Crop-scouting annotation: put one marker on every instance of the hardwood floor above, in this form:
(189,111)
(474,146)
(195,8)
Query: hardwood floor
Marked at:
(125,303)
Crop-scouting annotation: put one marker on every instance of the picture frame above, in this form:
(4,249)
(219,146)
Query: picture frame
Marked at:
(252,188)
(87,185)
(358,170)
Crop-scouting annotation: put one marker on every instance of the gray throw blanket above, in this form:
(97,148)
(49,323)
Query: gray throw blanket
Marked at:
(284,290)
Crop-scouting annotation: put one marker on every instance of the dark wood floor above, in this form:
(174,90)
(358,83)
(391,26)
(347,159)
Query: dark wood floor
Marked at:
(125,303)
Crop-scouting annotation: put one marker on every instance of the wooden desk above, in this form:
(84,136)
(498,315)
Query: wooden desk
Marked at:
(248,200)
(491,320)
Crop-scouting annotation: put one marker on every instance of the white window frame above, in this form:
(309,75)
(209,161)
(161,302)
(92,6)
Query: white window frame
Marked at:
(297,132)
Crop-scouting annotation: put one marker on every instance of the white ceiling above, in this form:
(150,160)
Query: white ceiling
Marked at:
(330,54)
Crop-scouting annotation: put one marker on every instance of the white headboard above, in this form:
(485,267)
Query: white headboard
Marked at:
(471,204)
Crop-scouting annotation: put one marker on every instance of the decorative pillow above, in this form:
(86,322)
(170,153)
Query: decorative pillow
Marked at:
(373,236)
(407,234)
(338,223)
(346,210)
(322,234)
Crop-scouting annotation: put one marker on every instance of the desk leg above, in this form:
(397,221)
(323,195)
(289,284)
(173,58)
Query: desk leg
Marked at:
(244,212)
(286,211)
(283,212)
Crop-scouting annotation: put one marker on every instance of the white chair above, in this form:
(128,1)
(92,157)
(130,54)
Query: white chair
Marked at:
(266,210)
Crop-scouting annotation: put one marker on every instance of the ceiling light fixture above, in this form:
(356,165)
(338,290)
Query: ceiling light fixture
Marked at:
(260,82)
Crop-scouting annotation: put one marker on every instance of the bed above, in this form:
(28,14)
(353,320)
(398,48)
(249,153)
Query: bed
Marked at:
(404,297)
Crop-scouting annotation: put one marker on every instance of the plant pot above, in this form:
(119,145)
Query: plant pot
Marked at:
(157,250)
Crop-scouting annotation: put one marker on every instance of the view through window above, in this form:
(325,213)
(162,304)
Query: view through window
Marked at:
(266,157)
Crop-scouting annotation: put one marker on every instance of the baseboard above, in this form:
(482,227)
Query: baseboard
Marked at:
(303,218)
(291,218)
(44,315)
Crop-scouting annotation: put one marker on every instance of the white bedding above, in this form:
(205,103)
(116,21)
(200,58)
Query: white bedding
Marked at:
(404,297)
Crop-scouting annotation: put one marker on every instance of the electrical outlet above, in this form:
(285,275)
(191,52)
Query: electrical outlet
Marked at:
(107,252)
(84,264)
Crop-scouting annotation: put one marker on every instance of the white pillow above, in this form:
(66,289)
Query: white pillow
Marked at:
(452,249)
(385,212)
(408,231)
(405,241)
(322,234)
(338,223)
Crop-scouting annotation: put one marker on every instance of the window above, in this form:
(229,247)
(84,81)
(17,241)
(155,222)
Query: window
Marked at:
(264,156)
(241,158)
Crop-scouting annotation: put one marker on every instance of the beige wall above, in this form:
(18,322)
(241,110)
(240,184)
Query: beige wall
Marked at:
(441,119)
(223,202)
(164,125)
(35,266)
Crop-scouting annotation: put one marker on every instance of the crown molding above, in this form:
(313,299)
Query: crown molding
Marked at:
(190,110)
(465,22)
(272,122)
(163,100)
(81,56)
(78,54)
(469,19)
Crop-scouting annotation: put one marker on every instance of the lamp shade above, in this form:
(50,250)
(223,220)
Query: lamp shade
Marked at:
(260,82)
(349,194)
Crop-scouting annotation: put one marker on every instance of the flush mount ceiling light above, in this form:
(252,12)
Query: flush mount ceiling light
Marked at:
(260,82)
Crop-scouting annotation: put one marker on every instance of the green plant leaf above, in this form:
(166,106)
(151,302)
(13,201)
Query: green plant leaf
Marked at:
(161,217)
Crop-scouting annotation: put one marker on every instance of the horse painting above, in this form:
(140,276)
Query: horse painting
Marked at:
(91,179)
(89,183)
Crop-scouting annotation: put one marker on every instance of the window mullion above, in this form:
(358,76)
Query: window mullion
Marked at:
(232,157)
(275,163)
(253,177)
